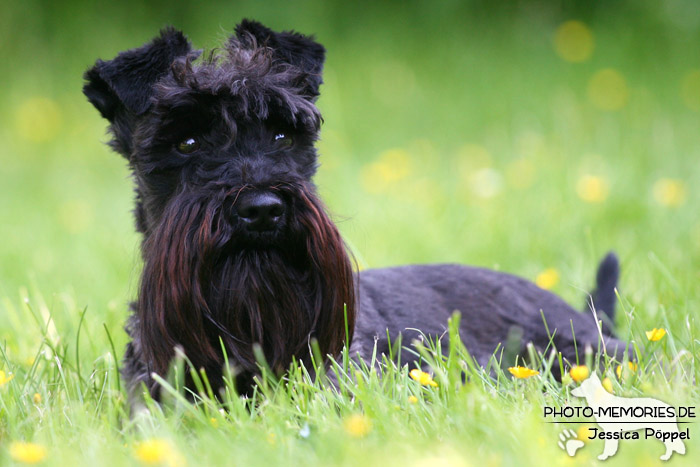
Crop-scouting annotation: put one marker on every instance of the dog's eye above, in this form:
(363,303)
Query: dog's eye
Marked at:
(283,141)
(188,145)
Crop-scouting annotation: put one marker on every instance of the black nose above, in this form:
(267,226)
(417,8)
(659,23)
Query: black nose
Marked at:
(260,211)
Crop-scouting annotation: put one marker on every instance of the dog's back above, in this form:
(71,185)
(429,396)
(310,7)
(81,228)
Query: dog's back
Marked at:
(493,305)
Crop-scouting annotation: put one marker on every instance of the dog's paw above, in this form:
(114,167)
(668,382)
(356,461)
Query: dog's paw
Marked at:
(569,442)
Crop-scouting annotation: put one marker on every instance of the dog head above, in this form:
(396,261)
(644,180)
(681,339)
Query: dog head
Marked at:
(237,246)
(240,123)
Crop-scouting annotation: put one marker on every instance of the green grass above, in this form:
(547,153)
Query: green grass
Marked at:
(453,133)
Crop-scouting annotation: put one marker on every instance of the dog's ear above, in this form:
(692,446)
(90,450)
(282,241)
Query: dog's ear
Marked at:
(126,82)
(296,49)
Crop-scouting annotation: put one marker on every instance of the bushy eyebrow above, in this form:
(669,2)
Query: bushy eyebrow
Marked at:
(253,82)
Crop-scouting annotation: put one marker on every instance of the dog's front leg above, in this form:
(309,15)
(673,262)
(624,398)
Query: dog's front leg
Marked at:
(609,449)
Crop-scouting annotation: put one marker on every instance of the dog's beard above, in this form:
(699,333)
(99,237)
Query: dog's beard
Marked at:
(201,287)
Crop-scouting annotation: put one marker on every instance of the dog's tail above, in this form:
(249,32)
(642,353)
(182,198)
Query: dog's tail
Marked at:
(603,298)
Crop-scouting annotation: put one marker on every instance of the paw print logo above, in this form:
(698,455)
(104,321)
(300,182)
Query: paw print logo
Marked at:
(569,442)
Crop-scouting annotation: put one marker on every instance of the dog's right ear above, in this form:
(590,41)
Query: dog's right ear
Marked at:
(126,82)
(296,49)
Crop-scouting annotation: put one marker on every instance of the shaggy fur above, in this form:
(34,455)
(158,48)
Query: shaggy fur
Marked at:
(207,136)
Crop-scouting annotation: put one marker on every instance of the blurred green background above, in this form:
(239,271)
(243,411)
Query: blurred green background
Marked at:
(529,136)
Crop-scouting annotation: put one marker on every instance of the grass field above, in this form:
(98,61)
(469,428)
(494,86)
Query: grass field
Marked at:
(500,136)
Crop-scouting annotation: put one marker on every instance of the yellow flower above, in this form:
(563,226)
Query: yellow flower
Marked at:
(573,41)
(27,453)
(412,399)
(607,384)
(522,372)
(583,433)
(607,90)
(157,452)
(357,425)
(656,334)
(632,368)
(547,279)
(423,378)
(579,373)
(592,189)
(214,422)
(390,167)
(36,398)
(669,192)
(154,451)
(4,379)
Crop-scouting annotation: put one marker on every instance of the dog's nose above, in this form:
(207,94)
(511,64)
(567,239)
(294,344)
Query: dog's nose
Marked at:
(260,211)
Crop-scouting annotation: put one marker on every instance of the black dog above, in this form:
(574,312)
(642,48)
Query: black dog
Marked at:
(239,250)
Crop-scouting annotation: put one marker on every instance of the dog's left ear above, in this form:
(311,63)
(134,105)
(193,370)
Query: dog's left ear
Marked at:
(296,49)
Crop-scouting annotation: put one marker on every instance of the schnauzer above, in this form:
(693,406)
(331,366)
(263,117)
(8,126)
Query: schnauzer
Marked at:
(239,251)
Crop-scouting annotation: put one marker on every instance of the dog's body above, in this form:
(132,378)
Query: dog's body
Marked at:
(599,399)
(418,300)
(238,249)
